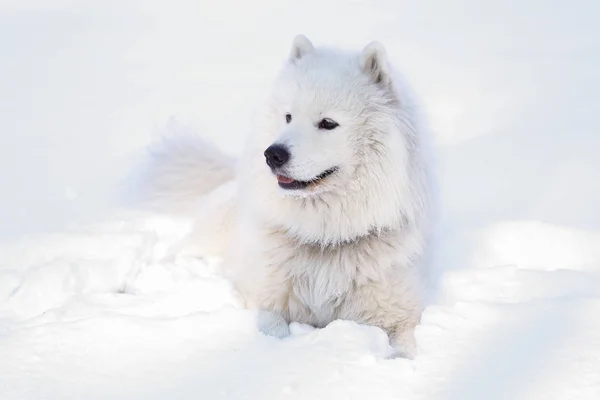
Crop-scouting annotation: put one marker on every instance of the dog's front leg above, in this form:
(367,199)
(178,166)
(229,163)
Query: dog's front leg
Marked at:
(404,343)
(272,324)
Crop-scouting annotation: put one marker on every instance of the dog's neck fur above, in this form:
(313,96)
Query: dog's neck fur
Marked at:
(375,233)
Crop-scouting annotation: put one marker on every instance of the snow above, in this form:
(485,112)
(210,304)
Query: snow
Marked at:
(94,304)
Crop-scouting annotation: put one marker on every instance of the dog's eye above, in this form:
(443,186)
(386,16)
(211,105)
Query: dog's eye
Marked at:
(328,124)
(288,118)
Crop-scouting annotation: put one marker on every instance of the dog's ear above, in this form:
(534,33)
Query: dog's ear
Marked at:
(300,47)
(374,62)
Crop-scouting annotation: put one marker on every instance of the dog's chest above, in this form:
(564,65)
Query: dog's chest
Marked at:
(317,290)
(322,280)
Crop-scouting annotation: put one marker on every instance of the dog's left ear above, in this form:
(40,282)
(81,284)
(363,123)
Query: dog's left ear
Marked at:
(374,62)
(300,47)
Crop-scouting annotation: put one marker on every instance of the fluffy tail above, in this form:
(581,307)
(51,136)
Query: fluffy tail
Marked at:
(177,172)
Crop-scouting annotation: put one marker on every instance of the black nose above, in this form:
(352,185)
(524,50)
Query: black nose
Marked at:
(277,155)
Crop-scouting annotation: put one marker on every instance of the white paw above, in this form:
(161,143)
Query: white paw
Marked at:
(272,324)
(405,346)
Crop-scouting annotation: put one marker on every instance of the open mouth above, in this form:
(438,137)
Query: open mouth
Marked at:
(291,184)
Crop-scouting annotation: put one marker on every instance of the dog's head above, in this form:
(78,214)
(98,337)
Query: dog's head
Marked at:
(334,143)
(326,110)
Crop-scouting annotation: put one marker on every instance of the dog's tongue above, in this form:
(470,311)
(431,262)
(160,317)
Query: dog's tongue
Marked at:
(284,179)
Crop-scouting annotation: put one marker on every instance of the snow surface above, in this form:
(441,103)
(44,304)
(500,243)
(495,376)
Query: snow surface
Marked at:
(92,304)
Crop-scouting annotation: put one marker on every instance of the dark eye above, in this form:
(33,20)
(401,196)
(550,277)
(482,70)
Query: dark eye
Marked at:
(328,124)
(288,118)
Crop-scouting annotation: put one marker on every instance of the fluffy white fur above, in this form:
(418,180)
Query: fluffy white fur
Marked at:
(352,246)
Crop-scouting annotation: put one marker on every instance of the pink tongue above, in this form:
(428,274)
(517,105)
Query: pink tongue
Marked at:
(284,179)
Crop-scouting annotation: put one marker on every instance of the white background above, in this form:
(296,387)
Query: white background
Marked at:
(512,92)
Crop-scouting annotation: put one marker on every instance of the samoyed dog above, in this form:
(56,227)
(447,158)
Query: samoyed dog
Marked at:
(328,213)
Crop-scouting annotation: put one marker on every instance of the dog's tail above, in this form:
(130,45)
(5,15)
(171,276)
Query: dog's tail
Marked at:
(176,173)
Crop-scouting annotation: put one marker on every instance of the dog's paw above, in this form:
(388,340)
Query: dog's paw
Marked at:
(272,324)
(400,353)
(405,346)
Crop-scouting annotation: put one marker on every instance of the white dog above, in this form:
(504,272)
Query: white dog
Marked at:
(328,215)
